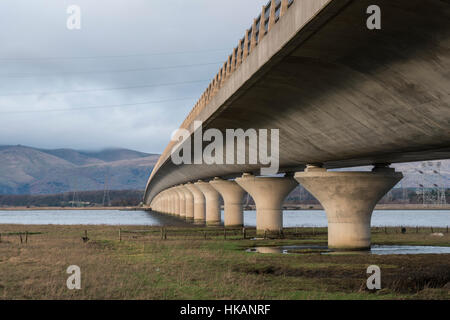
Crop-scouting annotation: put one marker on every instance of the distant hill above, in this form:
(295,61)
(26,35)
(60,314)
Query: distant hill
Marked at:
(27,170)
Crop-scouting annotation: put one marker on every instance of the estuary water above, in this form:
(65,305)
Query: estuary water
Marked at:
(304,218)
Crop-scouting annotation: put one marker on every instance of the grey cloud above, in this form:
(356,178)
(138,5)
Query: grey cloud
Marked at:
(37,29)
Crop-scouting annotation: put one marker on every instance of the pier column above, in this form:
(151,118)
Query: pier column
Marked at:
(349,199)
(189,199)
(182,202)
(199,204)
(169,202)
(268,194)
(176,202)
(212,203)
(155,205)
(172,201)
(232,195)
(165,204)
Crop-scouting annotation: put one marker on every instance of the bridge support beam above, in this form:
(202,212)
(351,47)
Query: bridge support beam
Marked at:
(182,202)
(268,194)
(232,195)
(189,203)
(199,204)
(212,203)
(349,199)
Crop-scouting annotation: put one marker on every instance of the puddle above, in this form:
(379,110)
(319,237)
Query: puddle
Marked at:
(290,249)
(409,250)
(376,249)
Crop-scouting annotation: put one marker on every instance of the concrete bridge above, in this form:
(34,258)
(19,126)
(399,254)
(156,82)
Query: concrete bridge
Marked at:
(342,95)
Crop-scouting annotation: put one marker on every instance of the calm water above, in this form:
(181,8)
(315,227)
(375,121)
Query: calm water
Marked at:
(375,249)
(425,218)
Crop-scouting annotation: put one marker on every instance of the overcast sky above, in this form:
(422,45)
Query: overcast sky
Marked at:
(121,44)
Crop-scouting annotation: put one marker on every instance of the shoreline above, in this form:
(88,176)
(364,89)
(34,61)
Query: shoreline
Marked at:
(69,208)
(398,207)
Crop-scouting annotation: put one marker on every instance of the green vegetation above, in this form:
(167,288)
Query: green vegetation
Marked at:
(142,265)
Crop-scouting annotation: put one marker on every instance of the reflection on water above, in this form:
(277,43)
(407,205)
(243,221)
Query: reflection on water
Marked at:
(376,249)
(306,218)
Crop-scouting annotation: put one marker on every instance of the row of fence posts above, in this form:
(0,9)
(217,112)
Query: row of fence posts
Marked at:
(21,237)
(163,232)
(404,229)
(244,232)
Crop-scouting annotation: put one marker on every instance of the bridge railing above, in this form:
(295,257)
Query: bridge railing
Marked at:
(271,13)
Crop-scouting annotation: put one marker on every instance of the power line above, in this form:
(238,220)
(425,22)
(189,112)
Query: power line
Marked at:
(96,107)
(32,75)
(112,57)
(101,89)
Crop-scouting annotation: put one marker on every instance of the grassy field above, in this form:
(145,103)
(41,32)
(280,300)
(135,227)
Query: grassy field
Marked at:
(193,263)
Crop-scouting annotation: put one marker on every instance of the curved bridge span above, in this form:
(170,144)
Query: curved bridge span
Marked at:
(340,94)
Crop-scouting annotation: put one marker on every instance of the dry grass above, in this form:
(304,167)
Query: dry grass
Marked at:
(185,266)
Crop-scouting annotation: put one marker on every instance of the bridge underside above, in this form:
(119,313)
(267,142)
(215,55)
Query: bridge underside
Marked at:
(345,96)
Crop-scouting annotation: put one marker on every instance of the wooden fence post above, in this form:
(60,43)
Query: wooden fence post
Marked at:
(26,236)
(120,235)
(244,233)
(20,235)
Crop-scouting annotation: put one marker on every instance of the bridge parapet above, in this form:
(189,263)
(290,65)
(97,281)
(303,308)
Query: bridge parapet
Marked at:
(271,13)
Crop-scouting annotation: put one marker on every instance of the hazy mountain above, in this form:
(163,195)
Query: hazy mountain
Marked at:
(26,170)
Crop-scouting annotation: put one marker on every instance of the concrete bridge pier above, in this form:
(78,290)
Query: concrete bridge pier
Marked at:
(182,202)
(199,204)
(268,194)
(173,200)
(232,195)
(165,206)
(349,199)
(212,208)
(176,202)
(156,204)
(169,202)
(189,203)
